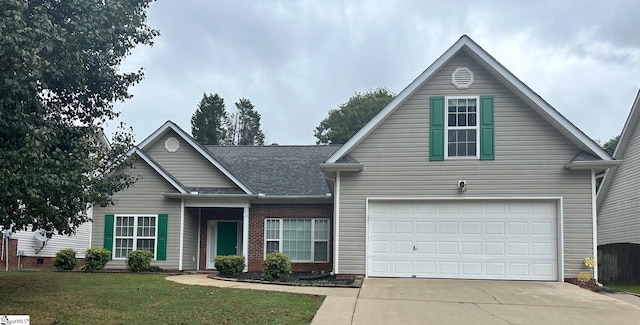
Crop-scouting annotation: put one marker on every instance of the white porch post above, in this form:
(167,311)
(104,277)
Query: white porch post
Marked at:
(245,236)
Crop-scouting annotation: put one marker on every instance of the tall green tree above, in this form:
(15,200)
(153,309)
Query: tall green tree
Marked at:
(210,121)
(345,121)
(245,127)
(610,146)
(59,78)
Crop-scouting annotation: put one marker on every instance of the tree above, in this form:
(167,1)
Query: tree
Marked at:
(210,121)
(342,123)
(59,78)
(610,146)
(244,128)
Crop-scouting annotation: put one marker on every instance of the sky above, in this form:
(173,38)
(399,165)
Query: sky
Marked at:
(296,60)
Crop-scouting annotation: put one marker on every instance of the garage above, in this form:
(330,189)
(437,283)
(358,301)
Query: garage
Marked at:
(465,239)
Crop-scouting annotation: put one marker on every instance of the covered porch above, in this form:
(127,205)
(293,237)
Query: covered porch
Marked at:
(212,230)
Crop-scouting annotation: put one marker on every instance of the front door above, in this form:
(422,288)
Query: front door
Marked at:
(227,238)
(222,239)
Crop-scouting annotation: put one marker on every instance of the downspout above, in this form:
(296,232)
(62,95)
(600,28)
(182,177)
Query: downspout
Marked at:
(336,226)
(594,224)
(180,254)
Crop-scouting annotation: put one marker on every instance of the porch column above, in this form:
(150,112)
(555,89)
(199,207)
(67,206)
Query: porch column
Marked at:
(245,236)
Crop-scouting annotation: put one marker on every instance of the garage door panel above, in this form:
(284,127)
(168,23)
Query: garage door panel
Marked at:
(381,247)
(403,228)
(448,227)
(463,239)
(403,247)
(425,248)
(425,227)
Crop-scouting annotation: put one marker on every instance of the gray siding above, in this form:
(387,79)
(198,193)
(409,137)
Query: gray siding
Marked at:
(187,165)
(144,197)
(620,211)
(190,244)
(529,152)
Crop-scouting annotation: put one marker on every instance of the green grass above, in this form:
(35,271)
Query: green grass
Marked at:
(635,288)
(111,298)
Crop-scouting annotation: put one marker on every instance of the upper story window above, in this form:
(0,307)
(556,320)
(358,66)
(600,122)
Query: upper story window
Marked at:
(462,127)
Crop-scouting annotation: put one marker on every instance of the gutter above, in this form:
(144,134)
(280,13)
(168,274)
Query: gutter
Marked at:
(341,167)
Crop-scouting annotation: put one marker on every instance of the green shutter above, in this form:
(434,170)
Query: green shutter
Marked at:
(163,220)
(487,136)
(108,232)
(436,143)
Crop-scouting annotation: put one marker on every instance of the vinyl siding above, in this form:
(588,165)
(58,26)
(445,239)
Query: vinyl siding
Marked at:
(620,211)
(144,197)
(187,165)
(79,242)
(190,242)
(529,159)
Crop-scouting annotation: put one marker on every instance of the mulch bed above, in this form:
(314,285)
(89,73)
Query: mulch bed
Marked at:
(591,285)
(294,279)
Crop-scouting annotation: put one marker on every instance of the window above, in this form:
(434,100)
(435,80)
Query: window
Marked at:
(302,240)
(133,233)
(462,127)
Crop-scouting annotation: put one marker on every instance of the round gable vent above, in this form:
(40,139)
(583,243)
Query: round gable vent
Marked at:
(172,144)
(462,78)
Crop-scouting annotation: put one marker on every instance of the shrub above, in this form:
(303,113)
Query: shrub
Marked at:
(229,265)
(139,261)
(95,259)
(65,259)
(276,266)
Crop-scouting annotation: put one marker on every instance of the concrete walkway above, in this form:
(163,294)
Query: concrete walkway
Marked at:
(337,308)
(440,301)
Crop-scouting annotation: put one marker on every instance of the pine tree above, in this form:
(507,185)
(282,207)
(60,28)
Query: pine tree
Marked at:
(210,121)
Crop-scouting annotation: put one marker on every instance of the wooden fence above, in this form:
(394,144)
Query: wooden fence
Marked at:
(619,263)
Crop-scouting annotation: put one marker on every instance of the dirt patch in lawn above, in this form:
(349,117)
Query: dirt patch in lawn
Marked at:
(296,279)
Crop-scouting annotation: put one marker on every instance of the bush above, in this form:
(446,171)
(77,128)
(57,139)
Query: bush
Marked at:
(139,261)
(229,265)
(65,259)
(276,266)
(95,259)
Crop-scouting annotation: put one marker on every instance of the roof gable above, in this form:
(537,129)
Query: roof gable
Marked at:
(621,148)
(155,166)
(503,75)
(170,126)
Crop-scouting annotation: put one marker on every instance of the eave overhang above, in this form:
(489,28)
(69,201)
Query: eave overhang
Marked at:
(592,164)
(341,167)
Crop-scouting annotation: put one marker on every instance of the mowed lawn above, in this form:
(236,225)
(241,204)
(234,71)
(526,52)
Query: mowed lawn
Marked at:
(635,288)
(125,298)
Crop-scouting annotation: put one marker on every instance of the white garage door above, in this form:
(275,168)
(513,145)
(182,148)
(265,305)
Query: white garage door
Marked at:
(513,240)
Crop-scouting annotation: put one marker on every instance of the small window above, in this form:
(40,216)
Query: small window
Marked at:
(462,127)
(134,233)
(302,240)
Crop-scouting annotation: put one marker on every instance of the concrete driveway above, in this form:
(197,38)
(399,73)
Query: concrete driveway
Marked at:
(436,301)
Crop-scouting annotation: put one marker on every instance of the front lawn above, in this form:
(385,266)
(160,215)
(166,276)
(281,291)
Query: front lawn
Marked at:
(113,298)
(635,288)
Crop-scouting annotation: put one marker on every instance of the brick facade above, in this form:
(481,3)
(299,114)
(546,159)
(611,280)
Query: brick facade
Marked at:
(259,212)
(26,262)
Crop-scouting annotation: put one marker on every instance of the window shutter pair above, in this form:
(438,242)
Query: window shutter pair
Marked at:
(163,220)
(437,127)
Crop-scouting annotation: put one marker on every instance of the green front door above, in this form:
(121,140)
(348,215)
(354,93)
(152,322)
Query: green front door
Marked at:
(227,238)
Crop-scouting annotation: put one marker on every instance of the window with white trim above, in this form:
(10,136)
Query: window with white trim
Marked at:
(302,240)
(462,130)
(134,233)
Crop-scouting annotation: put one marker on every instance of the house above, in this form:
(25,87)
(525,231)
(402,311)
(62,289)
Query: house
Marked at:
(467,173)
(34,251)
(619,207)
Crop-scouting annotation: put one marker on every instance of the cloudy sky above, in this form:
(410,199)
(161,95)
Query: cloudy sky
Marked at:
(295,60)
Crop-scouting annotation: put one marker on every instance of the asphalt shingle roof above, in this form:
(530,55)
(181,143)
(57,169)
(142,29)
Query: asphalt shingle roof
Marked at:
(277,170)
